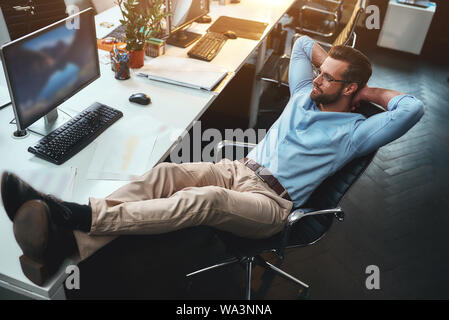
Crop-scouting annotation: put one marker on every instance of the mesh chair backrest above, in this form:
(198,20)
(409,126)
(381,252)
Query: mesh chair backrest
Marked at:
(330,193)
(345,35)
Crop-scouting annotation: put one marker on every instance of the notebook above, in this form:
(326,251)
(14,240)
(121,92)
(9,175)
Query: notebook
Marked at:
(184,72)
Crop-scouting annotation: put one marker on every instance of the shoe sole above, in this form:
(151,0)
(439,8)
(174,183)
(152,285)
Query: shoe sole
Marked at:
(31,232)
(3,188)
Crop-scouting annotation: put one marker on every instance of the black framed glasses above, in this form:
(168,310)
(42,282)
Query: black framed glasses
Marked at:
(328,78)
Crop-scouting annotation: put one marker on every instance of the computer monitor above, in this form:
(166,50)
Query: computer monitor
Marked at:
(183,13)
(143,6)
(45,68)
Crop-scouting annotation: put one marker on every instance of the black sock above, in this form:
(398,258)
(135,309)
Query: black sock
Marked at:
(81,218)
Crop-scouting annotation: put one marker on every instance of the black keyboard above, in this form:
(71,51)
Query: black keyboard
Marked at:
(208,46)
(66,141)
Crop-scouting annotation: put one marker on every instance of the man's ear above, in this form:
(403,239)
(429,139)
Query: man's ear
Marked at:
(350,89)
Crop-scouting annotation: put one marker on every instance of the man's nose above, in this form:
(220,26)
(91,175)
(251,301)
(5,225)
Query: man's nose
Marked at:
(317,81)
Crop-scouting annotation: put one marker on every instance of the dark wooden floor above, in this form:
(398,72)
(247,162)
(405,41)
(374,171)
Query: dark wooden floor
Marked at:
(397,218)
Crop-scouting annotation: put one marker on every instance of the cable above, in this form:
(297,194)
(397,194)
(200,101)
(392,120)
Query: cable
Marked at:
(13,121)
(5,105)
(66,113)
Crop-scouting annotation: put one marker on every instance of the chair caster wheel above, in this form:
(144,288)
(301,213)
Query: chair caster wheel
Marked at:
(303,294)
(188,287)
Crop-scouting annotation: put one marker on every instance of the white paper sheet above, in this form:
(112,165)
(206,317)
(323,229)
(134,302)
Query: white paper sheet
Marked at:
(56,181)
(125,159)
(127,155)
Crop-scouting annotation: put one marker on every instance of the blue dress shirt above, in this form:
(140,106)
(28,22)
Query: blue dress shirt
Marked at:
(305,145)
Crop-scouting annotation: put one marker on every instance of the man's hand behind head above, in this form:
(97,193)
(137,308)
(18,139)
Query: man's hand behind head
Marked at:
(361,95)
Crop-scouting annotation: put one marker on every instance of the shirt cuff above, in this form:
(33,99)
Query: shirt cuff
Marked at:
(394,102)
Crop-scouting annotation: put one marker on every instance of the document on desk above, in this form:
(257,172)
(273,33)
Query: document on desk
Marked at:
(125,159)
(130,155)
(184,72)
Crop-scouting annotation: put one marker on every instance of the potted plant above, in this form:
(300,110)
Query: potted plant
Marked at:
(142,20)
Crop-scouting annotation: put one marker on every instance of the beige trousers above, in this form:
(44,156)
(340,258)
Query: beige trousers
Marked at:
(226,195)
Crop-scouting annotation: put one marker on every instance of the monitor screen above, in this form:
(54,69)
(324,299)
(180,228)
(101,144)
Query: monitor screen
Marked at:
(48,66)
(185,12)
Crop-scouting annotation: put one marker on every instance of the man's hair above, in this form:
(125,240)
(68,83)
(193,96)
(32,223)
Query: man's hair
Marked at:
(359,69)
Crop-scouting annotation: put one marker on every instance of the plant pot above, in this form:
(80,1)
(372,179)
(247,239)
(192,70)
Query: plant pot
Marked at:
(136,58)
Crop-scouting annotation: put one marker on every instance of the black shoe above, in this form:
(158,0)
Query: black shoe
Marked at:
(16,192)
(44,243)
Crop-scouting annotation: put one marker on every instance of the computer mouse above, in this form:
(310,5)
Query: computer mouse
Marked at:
(140,98)
(230,34)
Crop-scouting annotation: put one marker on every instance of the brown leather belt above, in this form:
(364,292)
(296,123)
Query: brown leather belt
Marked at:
(265,175)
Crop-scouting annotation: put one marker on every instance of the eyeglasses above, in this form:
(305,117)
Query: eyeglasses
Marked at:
(328,78)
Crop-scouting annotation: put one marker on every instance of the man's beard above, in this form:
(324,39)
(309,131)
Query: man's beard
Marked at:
(321,98)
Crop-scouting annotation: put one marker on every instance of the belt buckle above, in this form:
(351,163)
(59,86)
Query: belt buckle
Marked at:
(257,173)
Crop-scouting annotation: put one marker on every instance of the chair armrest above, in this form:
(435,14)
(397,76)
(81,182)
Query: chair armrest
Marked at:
(298,214)
(319,10)
(327,46)
(329,4)
(229,143)
(333,1)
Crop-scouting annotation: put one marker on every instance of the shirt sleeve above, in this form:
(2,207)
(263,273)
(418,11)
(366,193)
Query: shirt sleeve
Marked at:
(404,111)
(300,70)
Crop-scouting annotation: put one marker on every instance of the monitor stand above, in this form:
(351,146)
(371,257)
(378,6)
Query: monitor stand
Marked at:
(183,38)
(49,123)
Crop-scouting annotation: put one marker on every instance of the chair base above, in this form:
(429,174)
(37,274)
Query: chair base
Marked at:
(248,263)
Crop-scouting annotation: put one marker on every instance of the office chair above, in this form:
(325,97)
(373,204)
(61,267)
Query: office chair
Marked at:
(320,17)
(23,17)
(305,226)
(275,69)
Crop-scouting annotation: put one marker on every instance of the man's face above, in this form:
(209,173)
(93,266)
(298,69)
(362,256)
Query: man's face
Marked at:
(325,90)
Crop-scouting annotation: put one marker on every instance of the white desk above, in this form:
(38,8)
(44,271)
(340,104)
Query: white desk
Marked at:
(176,108)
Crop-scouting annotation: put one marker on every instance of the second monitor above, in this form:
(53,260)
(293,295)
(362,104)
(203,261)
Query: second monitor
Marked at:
(183,13)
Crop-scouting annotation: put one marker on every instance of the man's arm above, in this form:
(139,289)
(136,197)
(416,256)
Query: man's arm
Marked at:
(305,52)
(318,55)
(403,112)
(379,96)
